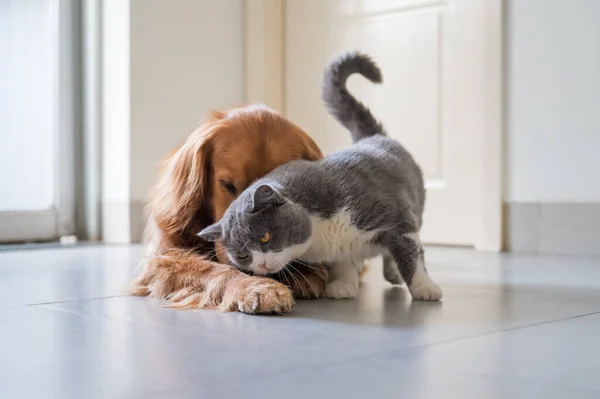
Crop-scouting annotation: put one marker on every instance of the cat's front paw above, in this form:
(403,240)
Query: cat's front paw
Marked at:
(426,291)
(339,289)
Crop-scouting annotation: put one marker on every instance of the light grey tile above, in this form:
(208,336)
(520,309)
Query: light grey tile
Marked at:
(478,298)
(410,375)
(570,229)
(559,354)
(553,360)
(499,333)
(526,273)
(61,355)
(61,274)
(522,224)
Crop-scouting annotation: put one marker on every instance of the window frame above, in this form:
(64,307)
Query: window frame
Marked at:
(59,220)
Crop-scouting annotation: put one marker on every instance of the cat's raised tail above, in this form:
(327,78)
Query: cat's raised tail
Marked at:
(341,104)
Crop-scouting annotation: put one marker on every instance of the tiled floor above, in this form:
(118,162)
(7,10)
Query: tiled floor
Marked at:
(508,327)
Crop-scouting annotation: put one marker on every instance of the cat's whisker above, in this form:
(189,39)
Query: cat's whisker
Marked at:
(209,255)
(308,282)
(286,279)
(307,265)
(215,252)
(245,229)
(293,279)
(285,269)
(281,273)
(244,246)
(297,282)
(212,252)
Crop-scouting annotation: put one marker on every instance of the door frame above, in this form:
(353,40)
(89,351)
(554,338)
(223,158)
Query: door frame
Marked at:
(264,22)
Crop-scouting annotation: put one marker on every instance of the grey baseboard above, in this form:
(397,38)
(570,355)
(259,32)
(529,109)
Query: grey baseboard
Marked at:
(552,228)
(137,222)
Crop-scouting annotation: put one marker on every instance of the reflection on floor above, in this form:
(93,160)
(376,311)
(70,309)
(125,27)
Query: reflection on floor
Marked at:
(510,326)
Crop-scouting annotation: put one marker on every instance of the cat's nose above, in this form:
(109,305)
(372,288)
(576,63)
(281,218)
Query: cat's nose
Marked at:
(263,265)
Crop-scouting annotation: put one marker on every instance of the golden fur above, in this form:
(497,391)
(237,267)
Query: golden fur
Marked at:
(234,147)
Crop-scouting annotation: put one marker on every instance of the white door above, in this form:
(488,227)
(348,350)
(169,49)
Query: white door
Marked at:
(432,56)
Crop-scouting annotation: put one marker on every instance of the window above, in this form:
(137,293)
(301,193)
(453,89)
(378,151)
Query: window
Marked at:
(37,110)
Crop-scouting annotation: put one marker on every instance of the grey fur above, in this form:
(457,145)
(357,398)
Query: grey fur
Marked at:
(341,104)
(376,179)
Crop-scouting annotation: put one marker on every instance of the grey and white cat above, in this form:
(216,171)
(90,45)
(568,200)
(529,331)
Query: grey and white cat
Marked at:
(354,204)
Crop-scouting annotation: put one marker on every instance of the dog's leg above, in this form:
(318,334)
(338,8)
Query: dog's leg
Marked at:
(193,282)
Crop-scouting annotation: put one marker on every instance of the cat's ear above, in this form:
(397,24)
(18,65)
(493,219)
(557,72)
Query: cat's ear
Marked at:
(266,196)
(212,233)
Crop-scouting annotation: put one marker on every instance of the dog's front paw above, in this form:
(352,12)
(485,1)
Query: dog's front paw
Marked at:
(265,296)
(339,289)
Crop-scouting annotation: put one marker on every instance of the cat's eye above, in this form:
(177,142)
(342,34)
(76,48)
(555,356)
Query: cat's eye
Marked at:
(242,256)
(229,186)
(265,238)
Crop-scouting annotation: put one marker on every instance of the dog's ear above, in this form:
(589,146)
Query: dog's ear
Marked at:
(217,115)
(181,188)
(312,152)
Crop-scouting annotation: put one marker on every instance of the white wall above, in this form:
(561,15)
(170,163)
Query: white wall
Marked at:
(187,58)
(553,125)
(115,101)
(166,65)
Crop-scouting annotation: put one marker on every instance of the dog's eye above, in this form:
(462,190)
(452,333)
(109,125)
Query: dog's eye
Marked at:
(229,186)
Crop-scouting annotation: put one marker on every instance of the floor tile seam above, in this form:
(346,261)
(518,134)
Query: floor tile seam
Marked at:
(491,287)
(121,321)
(498,331)
(402,352)
(74,313)
(406,351)
(76,299)
(531,379)
(97,317)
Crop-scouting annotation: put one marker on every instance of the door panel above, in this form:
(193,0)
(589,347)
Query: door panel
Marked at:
(430,56)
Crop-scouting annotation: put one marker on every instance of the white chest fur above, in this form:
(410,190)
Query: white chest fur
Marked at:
(336,239)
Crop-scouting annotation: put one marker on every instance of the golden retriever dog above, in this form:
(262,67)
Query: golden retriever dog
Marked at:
(196,185)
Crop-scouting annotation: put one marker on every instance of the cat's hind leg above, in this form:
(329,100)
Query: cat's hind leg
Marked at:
(409,255)
(343,281)
(390,270)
